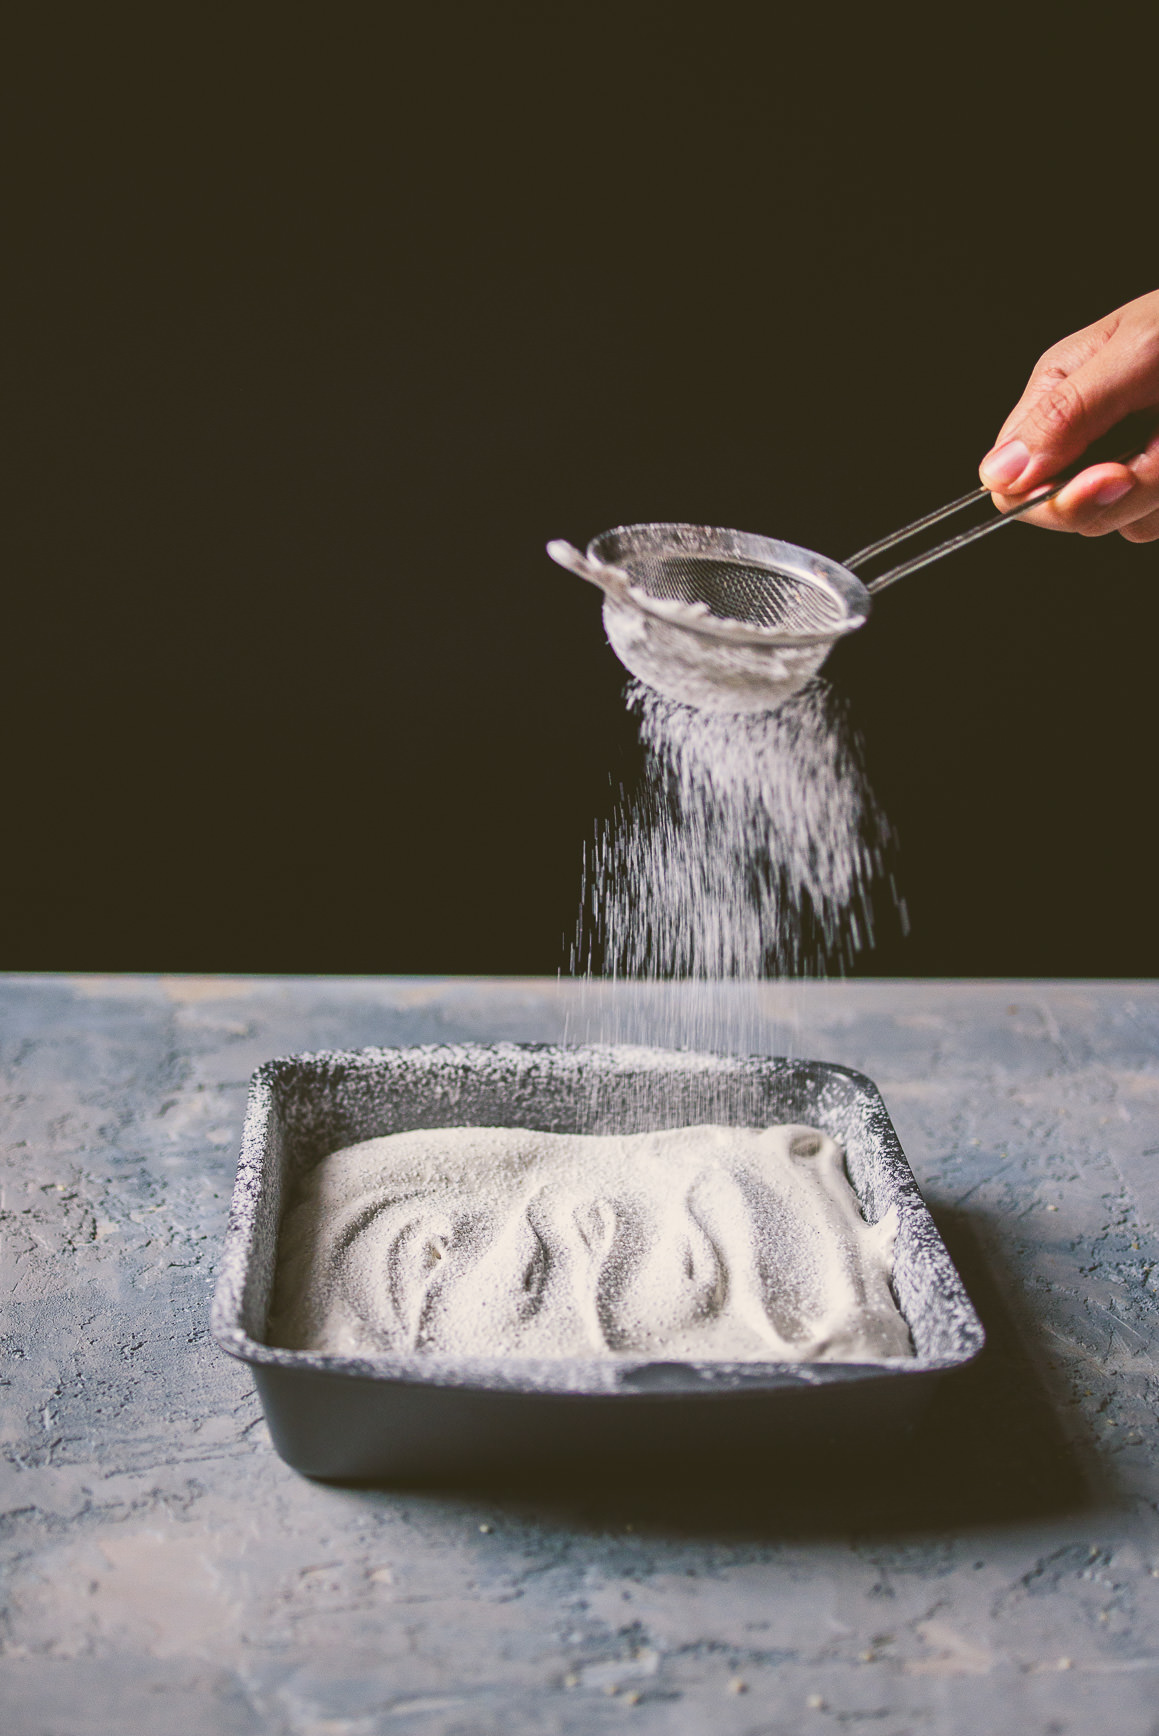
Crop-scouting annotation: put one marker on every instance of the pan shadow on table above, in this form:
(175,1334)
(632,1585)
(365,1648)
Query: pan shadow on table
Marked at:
(990,1449)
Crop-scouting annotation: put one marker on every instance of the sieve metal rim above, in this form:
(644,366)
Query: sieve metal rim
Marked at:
(782,559)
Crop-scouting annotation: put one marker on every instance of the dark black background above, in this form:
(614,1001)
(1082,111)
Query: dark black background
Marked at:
(326,319)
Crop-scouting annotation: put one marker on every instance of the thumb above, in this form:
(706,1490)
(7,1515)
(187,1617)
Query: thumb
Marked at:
(1055,426)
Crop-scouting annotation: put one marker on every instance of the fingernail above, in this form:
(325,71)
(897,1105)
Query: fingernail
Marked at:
(1005,464)
(1110,492)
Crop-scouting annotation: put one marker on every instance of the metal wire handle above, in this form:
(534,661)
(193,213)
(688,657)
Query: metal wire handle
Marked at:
(1139,425)
(951,543)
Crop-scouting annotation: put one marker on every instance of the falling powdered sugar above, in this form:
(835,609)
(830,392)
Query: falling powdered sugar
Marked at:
(709,1243)
(752,848)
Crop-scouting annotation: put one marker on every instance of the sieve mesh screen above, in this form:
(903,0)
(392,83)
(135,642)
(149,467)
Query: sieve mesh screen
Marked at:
(735,590)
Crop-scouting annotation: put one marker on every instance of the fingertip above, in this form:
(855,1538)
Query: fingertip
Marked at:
(1101,486)
(1112,491)
(1001,468)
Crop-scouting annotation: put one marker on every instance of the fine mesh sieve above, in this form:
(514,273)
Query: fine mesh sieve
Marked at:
(728,621)
(717,618)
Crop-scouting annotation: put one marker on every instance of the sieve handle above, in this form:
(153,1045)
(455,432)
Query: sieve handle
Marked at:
(952,543)
(609,579)
(1125,440)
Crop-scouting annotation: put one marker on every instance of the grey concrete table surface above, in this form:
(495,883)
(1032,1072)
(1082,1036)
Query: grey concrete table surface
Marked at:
(166,1573)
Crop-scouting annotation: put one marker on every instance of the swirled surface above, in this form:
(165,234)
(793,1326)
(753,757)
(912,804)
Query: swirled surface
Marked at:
(697,1243)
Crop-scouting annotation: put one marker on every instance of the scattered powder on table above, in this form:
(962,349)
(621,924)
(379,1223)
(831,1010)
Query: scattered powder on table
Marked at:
(701,1243)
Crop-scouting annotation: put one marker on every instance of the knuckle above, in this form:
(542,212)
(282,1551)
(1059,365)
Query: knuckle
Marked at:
(1145,354)
(1048,372)
(1059,411)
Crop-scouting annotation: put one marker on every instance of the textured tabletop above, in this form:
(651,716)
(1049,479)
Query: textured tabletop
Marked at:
(165,1572)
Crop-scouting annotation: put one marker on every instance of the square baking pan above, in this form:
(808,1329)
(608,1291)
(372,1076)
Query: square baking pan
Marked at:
(383,1418)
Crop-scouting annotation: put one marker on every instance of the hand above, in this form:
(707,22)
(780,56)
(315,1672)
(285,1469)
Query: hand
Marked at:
(1081,388)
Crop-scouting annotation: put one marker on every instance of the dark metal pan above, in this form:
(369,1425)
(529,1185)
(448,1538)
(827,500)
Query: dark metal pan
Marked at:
(398,1418)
